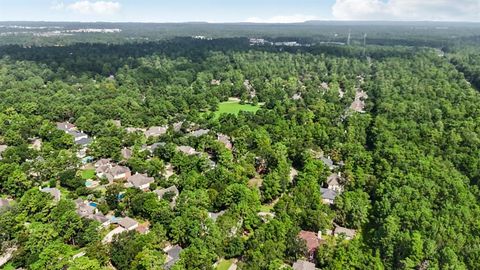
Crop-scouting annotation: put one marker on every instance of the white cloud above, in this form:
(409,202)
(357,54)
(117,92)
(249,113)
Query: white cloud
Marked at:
(297,18)
(89,7)
(447,10)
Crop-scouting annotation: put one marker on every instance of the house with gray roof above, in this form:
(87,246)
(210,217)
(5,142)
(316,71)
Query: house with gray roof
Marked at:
(65,126)
(199,132)
(303,265)
(140,181)
(225,140)
(112,172)
(2,149)
(128,223)
(334,182)
(214,216)
(173,189)
(84,209)
(173,255)
(187,150)
(156,131)
(126,153)
(328,195)
(55,192)
(103,220)
(328,162)
(344,232)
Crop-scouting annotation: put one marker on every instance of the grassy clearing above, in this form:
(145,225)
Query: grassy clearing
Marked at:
(88,174)
(224,264)
(233,106)
(266,208)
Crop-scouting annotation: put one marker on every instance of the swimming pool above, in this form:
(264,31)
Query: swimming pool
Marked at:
(88,183)
(93,204)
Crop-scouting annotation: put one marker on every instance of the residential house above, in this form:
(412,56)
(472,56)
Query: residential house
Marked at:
(328,195)
(333,182)
(113,172)
(215,216)
(199,132)
(140,181)
(177,127)
(4,203)
(2,149)
(126,153)
(293,174)
(215,82)
(102,162)
(173,255)
(225,140)
(84,209)
(66,126)
(133,130)
(187,150)
(328,162)
(297,96)
(156,131)
(173,189)
(303,265)
(55,192)
(103,220)
(36,144)
(312,242)
(340,231)
(153,147)
(169,171)
(128,223)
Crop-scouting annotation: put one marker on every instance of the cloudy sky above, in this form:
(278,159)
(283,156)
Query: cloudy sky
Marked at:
(275,11)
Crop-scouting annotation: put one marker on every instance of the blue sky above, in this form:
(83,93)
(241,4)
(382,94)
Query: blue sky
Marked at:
(238,10)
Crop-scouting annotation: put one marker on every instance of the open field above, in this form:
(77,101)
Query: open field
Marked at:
(88,174)
(234,106)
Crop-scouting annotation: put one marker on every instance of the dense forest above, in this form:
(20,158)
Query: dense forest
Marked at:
(354,157)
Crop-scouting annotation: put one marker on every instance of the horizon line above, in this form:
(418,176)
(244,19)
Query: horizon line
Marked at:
(245,22)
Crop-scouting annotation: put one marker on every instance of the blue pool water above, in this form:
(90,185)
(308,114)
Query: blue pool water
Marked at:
(88,183)
(93,204)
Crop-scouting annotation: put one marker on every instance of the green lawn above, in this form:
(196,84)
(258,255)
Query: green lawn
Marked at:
(224,264)
(235,107)
(88,174)
(266,208)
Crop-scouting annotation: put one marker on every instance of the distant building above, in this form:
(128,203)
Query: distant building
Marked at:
(4,203)
(173,255)
(328,162)
(112,172)
(328,195)
(339,231)
(225,140)
(199,132)
(55,192)
(297,96)
(303,265)
(312,242)
(66,126)
(333,182)
(2,149)
(126,153)
(140,181)
(173,189)
(84,209)
(156,131)
(128,223)
(215,216)
(187,150)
